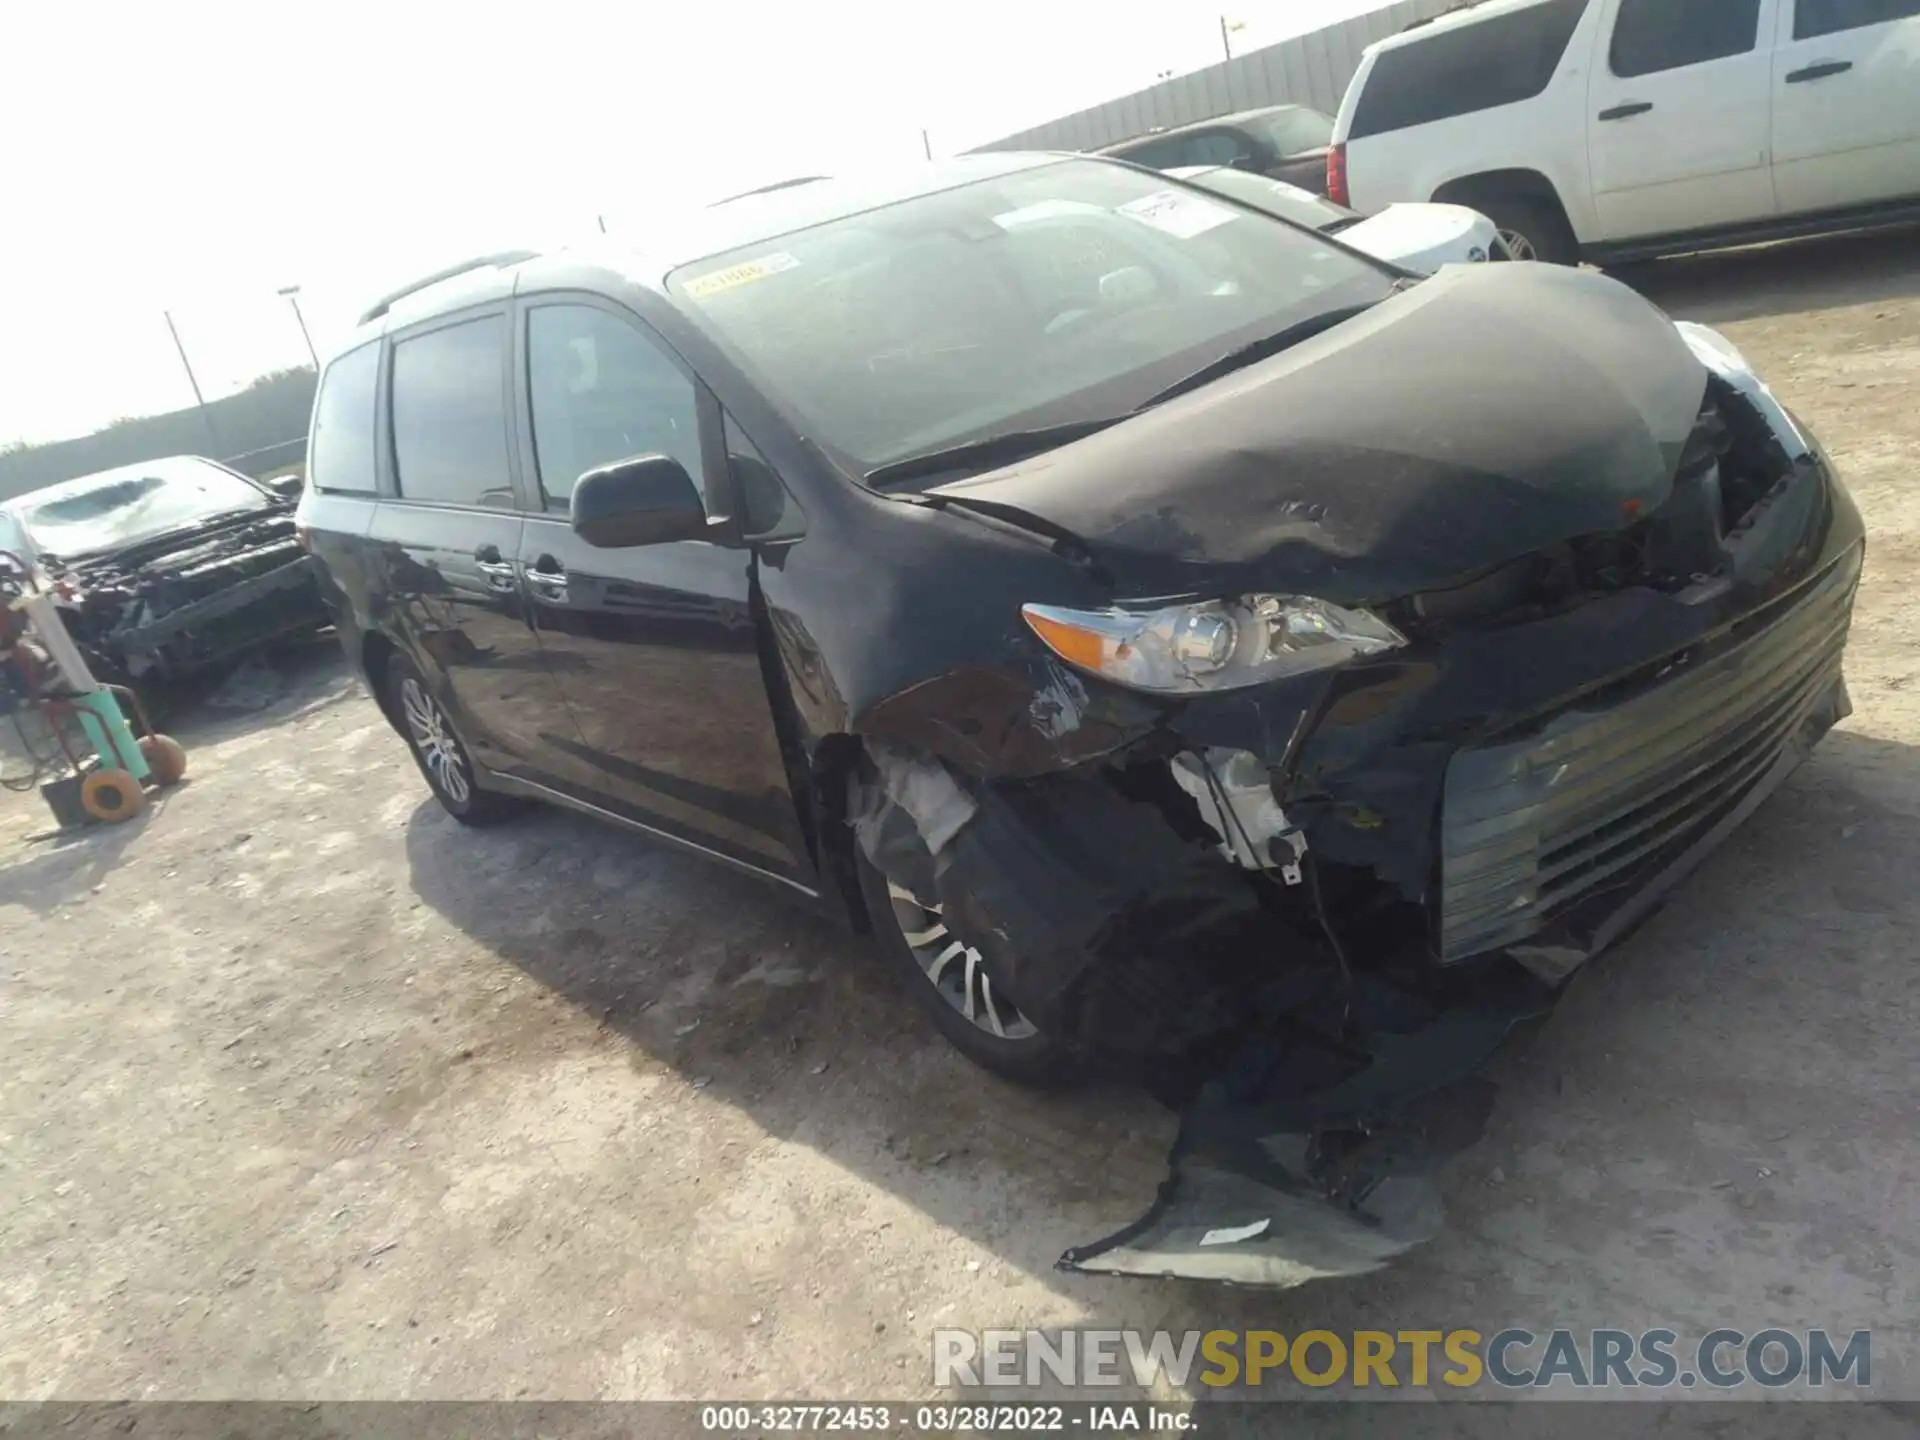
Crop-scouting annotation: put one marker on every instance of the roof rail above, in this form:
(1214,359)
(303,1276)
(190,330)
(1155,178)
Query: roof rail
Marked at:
(1453,9)
(769,189)
(499,260)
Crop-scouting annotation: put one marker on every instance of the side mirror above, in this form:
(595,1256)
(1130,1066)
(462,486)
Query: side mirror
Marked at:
(288,487)
(644,500)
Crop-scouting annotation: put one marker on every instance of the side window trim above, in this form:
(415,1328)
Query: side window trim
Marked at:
(385,439)
(1613,42)
(1804,10)
(718,492)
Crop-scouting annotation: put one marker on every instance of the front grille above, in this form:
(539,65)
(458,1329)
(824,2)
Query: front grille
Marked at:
(1530,828)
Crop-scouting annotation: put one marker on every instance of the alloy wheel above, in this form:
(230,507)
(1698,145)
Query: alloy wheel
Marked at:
(954,968)
(433,737)
(1519,247)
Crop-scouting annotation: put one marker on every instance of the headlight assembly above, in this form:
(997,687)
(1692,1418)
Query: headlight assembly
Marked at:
(1212,645)
(1721,356)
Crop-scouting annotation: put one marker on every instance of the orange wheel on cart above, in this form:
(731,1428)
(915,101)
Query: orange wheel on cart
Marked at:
(166,757)
(112,795)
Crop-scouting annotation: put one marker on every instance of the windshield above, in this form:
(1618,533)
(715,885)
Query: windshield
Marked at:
(1066,292)
(122,507)
(1276,197)
(1292,131)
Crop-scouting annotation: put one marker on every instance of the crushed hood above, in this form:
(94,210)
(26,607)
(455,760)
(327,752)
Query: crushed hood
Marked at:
(1487,413)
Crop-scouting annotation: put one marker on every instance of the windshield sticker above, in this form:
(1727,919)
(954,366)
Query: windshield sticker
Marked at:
(1176,213)
(714,281)
(1046,210)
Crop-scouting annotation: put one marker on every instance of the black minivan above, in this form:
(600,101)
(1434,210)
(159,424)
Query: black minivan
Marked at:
(1158,622)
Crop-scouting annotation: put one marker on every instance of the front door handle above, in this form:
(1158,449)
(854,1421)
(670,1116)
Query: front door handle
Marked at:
(548,577)
(1820,71)
(1622,112)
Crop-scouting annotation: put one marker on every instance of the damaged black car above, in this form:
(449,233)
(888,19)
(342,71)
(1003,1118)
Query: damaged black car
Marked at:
(1188,645)
(169,568)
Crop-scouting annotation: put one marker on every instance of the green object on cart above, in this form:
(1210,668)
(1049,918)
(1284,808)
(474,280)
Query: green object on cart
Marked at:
(110,735)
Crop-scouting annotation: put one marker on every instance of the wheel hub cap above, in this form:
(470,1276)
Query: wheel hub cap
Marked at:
(1519,247)
(433,737)
(955,968)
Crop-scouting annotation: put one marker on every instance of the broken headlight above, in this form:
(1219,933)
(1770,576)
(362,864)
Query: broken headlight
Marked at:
(1212,645)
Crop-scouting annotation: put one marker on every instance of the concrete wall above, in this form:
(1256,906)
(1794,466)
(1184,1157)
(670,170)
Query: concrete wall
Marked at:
(258,431)
(1307,70)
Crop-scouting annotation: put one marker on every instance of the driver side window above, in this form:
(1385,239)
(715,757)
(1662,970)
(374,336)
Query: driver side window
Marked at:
(602,390)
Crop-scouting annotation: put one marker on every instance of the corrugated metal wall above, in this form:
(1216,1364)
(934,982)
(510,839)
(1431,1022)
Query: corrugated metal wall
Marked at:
(1307,70)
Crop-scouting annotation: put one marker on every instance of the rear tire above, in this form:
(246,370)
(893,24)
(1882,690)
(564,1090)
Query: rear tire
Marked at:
(439,751)
(944,974)
(1532,229)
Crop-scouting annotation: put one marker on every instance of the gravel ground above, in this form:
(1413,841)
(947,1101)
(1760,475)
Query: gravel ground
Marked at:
(308,1092)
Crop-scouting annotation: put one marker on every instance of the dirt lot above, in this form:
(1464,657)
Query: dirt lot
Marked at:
(307,1092)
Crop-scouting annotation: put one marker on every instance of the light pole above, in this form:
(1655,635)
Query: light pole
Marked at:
(200,400)
(292,292)
(1227,27)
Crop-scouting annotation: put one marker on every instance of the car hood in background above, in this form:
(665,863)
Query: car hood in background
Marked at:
(1489,412)
(1422,238)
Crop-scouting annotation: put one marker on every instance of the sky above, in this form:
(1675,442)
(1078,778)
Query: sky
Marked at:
(193,158)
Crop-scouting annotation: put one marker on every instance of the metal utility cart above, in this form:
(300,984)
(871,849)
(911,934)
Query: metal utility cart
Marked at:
(72,732)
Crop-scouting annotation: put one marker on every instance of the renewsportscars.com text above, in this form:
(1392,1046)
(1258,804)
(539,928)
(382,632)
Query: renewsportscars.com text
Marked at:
(1512,1359)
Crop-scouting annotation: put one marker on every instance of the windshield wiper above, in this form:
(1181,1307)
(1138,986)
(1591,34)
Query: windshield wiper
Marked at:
(1255,350)
(992,451)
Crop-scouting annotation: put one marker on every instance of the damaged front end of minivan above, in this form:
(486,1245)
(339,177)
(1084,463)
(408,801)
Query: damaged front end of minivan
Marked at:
(1542,596)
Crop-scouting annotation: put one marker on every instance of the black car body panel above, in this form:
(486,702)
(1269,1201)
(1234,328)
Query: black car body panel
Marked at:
(1526,409)
(1603,554)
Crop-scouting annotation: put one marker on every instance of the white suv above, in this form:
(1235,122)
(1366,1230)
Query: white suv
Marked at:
(1623,129)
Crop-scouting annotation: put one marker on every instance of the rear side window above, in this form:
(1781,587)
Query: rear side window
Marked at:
(340,451)
(1489,63)
(450,415)
(1814,18)
(1655,35)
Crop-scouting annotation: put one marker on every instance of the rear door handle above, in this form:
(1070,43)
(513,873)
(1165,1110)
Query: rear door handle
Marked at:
(496,572)
(1820,71)
(1622,112)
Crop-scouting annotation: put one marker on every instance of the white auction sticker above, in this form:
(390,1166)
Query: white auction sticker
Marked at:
(1234,1234)
(1176,213)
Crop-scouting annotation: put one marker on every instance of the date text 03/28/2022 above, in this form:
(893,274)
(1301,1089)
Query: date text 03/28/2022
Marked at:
(947,1419)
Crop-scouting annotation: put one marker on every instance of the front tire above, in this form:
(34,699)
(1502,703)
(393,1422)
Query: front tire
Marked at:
(948,979)
(439,751)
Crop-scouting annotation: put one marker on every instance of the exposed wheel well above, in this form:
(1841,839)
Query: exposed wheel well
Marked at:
(1522,184)
(375,651)
(836,760)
